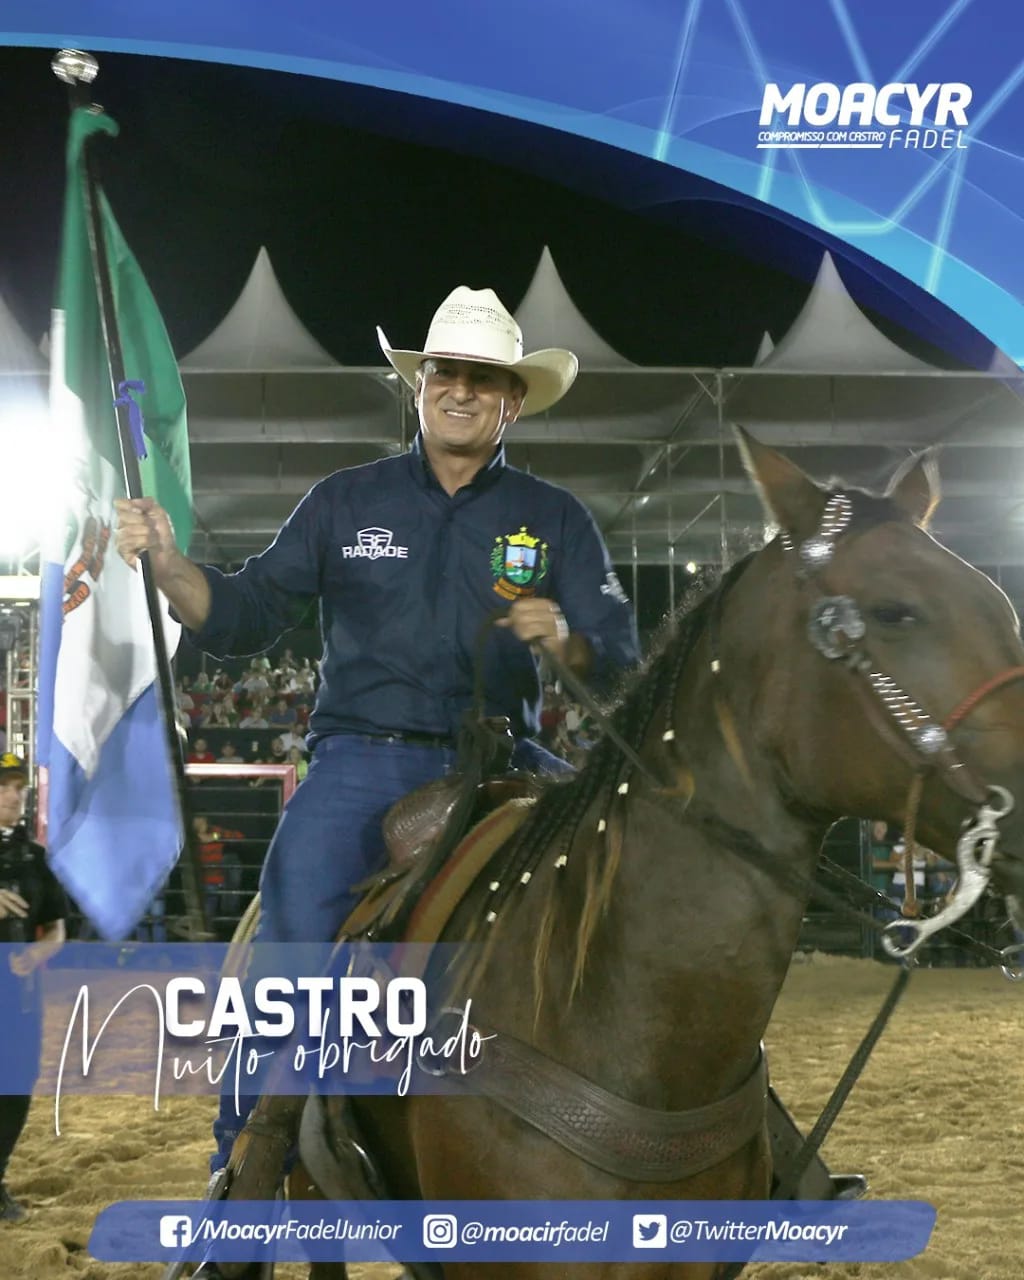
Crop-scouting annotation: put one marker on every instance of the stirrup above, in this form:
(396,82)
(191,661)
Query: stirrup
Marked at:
(255,1271)
(816,1182)
(848,1186)
(217,1189)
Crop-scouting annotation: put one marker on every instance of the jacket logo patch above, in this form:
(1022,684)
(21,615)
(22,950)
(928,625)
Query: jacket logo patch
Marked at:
(375,544)
(518,563)
(613,587)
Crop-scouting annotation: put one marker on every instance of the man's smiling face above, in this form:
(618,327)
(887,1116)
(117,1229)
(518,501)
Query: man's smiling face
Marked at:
(465,406)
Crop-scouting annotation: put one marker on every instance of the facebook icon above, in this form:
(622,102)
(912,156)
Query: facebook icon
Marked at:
(175,1231)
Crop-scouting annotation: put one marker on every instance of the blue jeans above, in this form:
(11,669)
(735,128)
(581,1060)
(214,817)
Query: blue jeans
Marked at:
(330,838)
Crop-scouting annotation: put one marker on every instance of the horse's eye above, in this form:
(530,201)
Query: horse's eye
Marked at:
(893,614)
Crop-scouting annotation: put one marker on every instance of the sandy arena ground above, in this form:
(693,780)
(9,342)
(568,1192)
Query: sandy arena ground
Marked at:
(938,1116)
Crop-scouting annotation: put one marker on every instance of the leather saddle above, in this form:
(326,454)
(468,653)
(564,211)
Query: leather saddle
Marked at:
(415,823)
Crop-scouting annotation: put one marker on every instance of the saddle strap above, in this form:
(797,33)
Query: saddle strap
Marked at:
(639,1144)
(259,1152)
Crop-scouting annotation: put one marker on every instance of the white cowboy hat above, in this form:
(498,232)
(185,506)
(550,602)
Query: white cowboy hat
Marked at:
(472,324)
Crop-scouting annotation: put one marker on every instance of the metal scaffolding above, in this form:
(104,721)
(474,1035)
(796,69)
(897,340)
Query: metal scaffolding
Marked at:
(19,650)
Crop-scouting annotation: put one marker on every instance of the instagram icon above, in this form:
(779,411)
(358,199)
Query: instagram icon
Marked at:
(440,1231)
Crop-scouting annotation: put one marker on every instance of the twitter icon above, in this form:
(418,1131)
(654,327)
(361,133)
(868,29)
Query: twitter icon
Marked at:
(650,1231)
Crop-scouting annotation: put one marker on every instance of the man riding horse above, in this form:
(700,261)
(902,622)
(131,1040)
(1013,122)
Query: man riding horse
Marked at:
(406,558)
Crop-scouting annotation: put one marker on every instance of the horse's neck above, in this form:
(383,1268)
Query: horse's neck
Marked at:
(689,956)
(684,968)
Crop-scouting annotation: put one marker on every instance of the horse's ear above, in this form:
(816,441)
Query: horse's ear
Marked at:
(915,487)
(790,497)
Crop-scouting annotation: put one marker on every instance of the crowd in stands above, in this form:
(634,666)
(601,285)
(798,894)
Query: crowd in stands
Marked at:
(257,717)
(251,713)
(260,715)
(257,712)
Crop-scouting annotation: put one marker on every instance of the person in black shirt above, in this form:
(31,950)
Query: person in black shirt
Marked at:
(32,911)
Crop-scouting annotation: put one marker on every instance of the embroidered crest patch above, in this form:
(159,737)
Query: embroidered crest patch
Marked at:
(518,563)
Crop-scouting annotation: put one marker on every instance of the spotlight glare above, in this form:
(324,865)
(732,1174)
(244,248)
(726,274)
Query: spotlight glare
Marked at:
(27,489)
(691,566)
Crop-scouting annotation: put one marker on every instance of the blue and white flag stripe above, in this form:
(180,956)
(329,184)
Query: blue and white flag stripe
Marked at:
(114,829)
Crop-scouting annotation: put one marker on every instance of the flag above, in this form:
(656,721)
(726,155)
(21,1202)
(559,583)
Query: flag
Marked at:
(113,821)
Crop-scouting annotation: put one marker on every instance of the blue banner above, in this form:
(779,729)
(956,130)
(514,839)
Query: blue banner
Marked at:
(919,108)
(170,1019)
(513,1231)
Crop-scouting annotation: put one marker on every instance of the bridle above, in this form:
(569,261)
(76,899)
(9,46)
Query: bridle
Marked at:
(837,630)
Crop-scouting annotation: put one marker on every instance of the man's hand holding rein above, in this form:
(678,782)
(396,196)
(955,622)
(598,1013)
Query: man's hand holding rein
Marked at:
(541,622)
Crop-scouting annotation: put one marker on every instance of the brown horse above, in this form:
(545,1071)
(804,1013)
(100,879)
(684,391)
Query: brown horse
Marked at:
(625,939)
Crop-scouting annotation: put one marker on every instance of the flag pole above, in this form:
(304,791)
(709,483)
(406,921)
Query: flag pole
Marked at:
(78,70)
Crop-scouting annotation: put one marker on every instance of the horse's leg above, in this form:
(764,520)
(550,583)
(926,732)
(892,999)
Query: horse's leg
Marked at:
(328,1271)
(302,1187)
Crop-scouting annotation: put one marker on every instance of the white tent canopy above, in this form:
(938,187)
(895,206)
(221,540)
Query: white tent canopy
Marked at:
(845,400)
(548,317)
(764,348)
(650,450)
(18,353)
(270,412)
(831,332)
(260,333)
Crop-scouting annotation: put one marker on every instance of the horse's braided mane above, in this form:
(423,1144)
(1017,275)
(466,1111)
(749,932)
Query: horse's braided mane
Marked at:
(553,825)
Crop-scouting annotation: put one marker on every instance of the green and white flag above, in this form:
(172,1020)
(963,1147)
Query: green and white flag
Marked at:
(114,829)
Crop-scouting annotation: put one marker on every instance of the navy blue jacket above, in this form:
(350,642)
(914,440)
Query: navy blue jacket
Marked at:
(405,574)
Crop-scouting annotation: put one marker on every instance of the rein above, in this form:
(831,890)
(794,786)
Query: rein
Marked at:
(741,842)
(798,1166)
(833,621)
(589,703)
(836,628)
